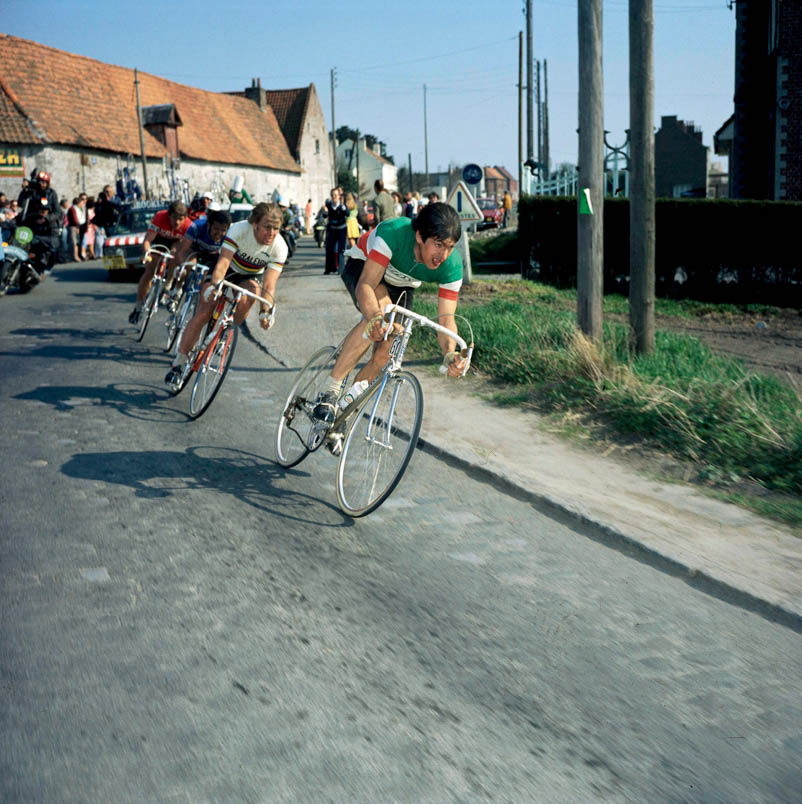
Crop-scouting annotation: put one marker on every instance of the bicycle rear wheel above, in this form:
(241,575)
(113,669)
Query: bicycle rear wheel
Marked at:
(149,307)
(297,426)
(212,371)
(379,444)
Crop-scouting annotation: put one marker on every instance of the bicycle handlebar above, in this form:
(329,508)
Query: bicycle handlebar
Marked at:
(391,310)
(162,251)
(244,292)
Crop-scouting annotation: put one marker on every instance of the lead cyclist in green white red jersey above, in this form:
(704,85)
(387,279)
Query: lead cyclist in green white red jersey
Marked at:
(386,265)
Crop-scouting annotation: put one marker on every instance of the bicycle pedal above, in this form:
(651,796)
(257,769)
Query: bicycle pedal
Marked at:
(334,444)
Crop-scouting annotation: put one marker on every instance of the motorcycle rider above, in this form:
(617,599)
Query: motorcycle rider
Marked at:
(287,226)
(40,213)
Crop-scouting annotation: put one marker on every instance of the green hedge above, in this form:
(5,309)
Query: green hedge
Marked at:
(711,250)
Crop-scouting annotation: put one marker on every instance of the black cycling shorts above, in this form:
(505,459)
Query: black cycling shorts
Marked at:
(398,295)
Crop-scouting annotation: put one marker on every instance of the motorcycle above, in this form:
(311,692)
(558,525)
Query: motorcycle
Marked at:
(320,230)
(23,256)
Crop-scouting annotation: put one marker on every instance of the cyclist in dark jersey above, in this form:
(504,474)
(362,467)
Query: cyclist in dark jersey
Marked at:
(385,266)
(203,240)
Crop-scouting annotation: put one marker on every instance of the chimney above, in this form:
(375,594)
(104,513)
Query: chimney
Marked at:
(255,93)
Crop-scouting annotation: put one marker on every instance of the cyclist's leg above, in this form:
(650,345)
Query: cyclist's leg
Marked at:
(198,322)
(144,282)
(244,307)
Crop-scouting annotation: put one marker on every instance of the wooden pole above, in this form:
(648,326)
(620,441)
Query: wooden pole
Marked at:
(520,112)
(590,206)
(529,82)
(333,133)
(141,135)
(641,165)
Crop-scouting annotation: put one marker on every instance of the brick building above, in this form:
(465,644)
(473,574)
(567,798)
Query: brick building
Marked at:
(680,160)
(76,118)
(764,140)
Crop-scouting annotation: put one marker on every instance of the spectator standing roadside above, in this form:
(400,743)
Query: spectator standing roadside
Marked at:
(308,217)
(88,240)
(382,204)
(64,230)
(352,225)
(76,218)
(398,207)
(106,214)
(335,230)
(507,206)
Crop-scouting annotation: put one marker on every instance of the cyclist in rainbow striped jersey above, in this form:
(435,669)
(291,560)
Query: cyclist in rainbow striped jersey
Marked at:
(252,256)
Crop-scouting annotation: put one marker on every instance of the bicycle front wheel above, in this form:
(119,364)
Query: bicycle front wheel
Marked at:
(379,444)
(297,425)
(148,307)
(212,371)
(174,321)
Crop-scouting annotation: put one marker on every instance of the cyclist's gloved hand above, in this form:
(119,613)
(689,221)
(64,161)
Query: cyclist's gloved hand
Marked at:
(372,332)
(209,293)
(452,364)
(268,319)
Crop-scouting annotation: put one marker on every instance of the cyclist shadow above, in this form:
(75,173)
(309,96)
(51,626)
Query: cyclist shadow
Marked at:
(157,474)
(129,399)
(59,351)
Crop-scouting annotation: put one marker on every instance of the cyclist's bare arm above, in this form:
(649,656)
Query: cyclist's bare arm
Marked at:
(370,278)
(223,263)
(182,250)
(150,236)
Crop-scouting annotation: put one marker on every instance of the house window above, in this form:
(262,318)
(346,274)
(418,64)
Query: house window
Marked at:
(317,146)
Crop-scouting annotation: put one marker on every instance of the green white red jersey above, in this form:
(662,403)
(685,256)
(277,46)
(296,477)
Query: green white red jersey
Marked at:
(392,245)
(249,256)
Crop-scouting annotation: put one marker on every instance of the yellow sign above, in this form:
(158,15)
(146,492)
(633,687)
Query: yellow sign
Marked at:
(12,162)
(114,262)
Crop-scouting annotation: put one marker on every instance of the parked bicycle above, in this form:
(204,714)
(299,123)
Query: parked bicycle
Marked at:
(210,357)
(375,434)
(151,304)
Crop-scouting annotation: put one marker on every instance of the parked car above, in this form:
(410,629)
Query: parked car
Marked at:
(492,211)
(122,251)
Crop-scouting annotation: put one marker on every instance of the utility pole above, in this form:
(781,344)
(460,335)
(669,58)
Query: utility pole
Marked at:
(529,88)
(333,128)
(409,168)
(546,156)
(641,165)
(141,134)
(590,231)
(425,136)
(539,121)
(358,189)
(520,112)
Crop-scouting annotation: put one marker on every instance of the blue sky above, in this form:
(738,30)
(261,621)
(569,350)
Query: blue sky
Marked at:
(465,52)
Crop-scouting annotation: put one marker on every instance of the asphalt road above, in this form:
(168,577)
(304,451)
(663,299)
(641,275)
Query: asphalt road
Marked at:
(183,620)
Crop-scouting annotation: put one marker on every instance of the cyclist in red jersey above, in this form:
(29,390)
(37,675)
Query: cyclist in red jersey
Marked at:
(167,228)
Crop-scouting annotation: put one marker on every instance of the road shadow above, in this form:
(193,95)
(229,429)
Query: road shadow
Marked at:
(80,273)
(132,400)
(246,477)
(120,298)
(131,355)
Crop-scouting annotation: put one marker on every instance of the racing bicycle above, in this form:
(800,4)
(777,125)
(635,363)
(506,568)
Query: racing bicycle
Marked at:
(210,357)
(375,434)
(187,302)
(151,304)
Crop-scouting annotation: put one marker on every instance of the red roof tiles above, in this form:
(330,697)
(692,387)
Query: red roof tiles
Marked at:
(75,100)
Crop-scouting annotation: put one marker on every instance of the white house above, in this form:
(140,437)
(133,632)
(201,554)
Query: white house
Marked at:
(367,165)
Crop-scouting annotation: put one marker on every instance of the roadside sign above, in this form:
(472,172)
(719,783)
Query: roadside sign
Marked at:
(472,174)
(463,201)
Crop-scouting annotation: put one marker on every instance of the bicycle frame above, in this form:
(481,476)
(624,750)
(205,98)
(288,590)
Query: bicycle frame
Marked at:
(223,318)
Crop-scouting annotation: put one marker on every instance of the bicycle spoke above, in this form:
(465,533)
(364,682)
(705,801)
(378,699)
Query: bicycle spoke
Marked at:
(212,371)
(297,425)
(379,444)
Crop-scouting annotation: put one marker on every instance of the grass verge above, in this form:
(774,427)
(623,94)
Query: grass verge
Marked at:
(741,431)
